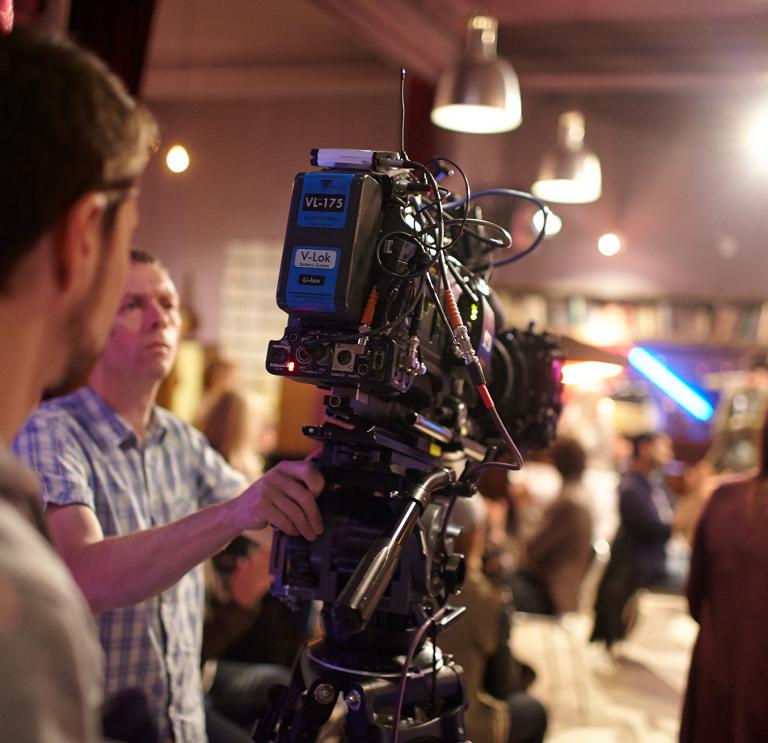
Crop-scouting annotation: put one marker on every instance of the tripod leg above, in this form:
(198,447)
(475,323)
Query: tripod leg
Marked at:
(316,708)
(295,715)
(283,702)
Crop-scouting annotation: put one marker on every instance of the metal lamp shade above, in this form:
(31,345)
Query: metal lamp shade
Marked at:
(478,96)
(571,173)
(568,177)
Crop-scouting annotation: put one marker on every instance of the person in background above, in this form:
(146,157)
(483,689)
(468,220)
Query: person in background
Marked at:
(137,499)
(646,507)
(220,376)
(499,709)
(249,637)
(237,689)
(638,553)
(232,428)
(73,145)
(558,554)
(728,597)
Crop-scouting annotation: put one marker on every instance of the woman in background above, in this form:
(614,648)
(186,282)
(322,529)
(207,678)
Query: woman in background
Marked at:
(728,597)
(232,429)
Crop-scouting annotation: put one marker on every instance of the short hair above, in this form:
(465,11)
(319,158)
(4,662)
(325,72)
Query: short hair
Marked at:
(144,256)
(67,127)
(639,440)
(569,457)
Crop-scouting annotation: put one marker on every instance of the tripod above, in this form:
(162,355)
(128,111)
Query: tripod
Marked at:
(370,684)
(384,574)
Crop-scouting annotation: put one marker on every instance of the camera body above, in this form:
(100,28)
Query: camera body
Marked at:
(384,281)
(352,230)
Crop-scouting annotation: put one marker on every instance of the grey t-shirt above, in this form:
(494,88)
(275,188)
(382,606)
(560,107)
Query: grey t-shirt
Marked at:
(51,681)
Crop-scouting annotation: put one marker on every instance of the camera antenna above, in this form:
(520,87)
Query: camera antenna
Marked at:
(403,153)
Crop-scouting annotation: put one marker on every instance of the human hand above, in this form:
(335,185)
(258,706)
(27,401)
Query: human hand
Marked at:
(285,499)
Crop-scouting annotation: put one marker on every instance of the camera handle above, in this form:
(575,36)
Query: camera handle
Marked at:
(365,587)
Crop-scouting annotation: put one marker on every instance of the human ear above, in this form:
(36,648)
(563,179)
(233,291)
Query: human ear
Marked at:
(78,240)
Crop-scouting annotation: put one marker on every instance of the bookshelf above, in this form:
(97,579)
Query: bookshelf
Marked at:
(616,322)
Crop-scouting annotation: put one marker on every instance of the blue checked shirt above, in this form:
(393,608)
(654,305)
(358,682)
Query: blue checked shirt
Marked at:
(86,453)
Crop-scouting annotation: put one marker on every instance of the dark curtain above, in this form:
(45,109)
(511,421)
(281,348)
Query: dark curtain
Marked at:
(419,130)
(116,30)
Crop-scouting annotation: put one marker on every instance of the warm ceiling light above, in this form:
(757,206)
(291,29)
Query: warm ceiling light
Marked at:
(481,94)
(757,138)
(569,174)
(609,244)
(177,159)
(586,372)
(554,223)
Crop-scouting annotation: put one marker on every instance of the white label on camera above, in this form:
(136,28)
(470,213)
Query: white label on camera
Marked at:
(315,258)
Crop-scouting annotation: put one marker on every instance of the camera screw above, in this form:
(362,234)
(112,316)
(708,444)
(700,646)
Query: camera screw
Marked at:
(325,694)
(353,700)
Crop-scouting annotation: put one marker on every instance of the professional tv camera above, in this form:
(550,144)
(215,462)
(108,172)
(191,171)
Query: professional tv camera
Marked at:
(384,279)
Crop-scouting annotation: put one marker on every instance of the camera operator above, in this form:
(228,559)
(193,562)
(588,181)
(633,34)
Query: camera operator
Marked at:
(72,146)
(123,481)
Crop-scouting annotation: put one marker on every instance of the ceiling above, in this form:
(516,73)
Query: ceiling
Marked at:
(665,86)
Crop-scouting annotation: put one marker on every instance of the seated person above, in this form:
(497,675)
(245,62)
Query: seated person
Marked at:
(249,638)
(499,709)
(558,554)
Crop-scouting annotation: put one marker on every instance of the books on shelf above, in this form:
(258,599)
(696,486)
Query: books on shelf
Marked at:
(690,321)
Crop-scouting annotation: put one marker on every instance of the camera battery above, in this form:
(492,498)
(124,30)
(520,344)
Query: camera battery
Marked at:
(328,255)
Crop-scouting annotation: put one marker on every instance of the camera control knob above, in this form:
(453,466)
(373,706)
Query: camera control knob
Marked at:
(325,693)
(353,700)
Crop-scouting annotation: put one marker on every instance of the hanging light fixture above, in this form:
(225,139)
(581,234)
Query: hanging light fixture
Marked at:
(569,174)
(481,94)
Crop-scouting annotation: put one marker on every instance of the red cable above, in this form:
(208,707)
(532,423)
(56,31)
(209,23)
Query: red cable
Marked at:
(452,309)
(486,397)
(370,307)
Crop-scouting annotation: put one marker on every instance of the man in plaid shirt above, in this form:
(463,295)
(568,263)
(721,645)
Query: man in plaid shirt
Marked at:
(136,499)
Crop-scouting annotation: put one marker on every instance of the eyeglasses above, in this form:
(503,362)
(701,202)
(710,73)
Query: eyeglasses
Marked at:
(119,191)
(116,194)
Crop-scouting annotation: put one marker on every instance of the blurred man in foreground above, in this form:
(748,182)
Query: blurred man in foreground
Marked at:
(73,144)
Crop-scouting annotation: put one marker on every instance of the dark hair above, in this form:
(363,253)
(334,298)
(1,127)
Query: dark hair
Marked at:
(640,440)
(67,127)
(569,457)
(142,256)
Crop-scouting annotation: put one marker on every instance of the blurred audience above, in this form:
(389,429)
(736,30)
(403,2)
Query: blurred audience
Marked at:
(249,638)
(728,597)
(558,554)
(237,684)
(499,709)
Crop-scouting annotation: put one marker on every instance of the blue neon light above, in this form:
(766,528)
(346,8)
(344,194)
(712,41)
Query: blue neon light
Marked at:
(662,377)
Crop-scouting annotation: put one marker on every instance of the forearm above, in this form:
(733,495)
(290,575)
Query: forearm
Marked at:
(121,571)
